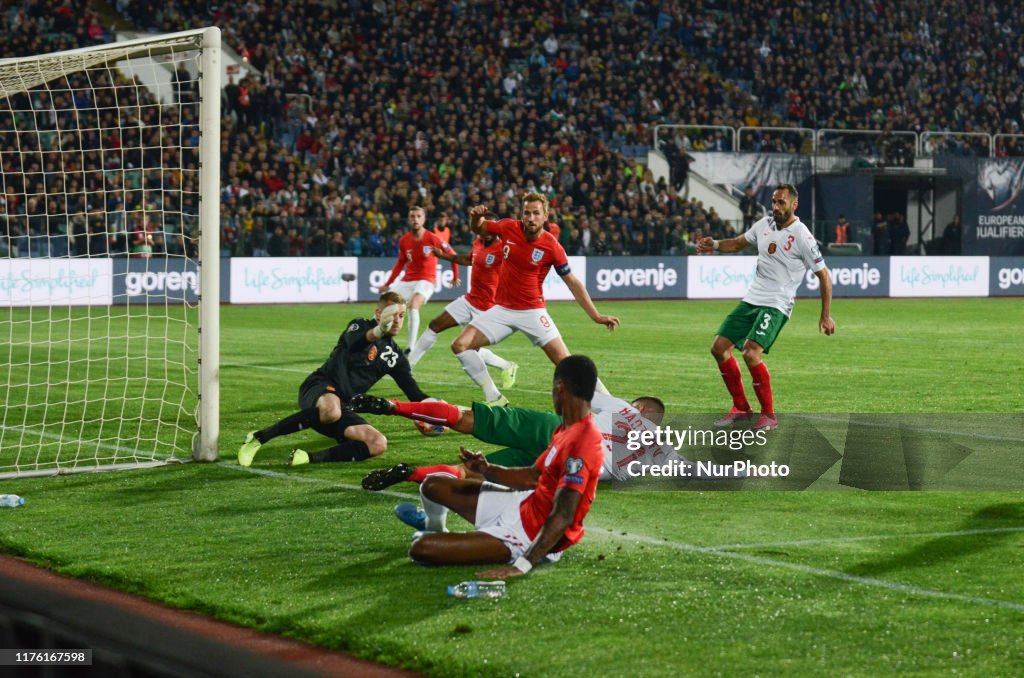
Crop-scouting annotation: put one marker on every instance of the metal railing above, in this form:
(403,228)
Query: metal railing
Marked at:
(809,138)
(690,130)
(888,147)
(1016,146)
(875,147)
(932,144)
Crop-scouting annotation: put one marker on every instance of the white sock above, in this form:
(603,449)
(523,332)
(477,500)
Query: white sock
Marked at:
(477,371)
(414,325)
(601,388)
(493,359)
(423,344)
(437,514)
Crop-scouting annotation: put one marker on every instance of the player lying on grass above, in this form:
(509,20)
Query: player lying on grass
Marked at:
(525,434)
(365,352)
(522,515)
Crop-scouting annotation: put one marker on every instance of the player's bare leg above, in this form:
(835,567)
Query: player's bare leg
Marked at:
(441,493)
(415,304)
(463,548)
(729,368)
(465,349)
(752,353)
(556,351)
(426,341)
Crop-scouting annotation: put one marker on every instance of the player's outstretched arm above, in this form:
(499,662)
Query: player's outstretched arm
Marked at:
(399,265)
(476,219)
(825,323)
(709,244)
(461,259)
(553,529)
(579,292)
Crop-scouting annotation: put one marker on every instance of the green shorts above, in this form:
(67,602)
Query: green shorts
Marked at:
(524,433)
(759,324)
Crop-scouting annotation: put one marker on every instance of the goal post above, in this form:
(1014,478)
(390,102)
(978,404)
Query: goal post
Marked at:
(109,255)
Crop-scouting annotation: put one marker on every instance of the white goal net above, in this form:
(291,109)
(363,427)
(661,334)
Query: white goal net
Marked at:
(109,179)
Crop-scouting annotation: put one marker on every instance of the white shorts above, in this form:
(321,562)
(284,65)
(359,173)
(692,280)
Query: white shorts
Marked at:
(462,311)
(498,323)
(497,514)
(407,288)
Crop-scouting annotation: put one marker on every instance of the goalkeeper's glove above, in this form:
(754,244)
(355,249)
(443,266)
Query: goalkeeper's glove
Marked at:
(387,320)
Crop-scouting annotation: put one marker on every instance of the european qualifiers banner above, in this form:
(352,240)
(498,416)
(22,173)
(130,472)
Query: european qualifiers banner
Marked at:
(993,204)
(1007,276)
(851,277)
(636,277)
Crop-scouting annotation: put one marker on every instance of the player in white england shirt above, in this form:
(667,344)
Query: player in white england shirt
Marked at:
(521,431)
(786,250)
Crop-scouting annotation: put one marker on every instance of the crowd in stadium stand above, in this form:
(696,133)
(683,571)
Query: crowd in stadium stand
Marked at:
(450,104)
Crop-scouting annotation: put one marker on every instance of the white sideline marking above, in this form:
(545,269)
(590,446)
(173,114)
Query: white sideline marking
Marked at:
(32,430)
(314,481)
(294,370)
(839,540)
(915,429)
(815,571)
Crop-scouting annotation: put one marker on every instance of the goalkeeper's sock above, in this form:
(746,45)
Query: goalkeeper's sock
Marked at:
(302,419)
(763,387)
(493,359)
(422,472)
(474,366)
(437,514)
(350,450)
(733,379)
(434,412)
(414,326)
(423,344)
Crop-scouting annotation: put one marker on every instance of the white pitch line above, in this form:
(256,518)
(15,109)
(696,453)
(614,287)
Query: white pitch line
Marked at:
(814,571)
(31,430)
(314,481)
(840,540)
(915,429)
(294,370)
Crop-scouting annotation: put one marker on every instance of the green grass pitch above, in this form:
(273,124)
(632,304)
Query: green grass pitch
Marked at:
(843,582)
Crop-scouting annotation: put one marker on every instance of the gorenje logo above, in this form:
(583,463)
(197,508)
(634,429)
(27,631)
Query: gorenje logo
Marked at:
(863,276)
(1010,276)
(136,284)
(659,278)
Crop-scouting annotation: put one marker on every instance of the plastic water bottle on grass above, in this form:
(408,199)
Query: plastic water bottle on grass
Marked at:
(478,589)
(11,500)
